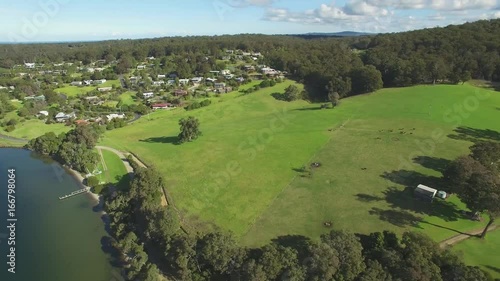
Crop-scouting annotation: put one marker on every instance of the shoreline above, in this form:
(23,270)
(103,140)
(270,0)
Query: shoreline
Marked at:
(79,179)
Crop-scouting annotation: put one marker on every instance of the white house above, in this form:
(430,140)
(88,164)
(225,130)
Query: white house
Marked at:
(197,79)
(105,89)
(148,95)
(44,113)
(211,79)
(171,82)
(62,117)
(98,82)
(229,76)
(29,65)
(158,83)
(115,116)
(151,58)
(240,79)
(183,81)
(225,72)
(76,83)
(162,76)
(141,67)
(87,82)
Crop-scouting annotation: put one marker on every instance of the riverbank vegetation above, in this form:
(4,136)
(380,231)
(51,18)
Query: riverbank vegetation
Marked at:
(74,149)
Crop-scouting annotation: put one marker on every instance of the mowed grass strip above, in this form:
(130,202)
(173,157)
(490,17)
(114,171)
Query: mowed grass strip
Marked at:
(396,139)
(482,253)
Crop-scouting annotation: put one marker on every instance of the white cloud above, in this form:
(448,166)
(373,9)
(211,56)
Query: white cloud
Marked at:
(389,15)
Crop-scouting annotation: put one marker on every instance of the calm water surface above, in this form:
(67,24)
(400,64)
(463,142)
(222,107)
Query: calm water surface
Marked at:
(55,240)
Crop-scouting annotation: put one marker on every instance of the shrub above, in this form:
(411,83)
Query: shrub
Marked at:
(10,128)
(92,181)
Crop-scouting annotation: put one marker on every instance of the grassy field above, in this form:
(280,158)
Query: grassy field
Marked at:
(73,91)
(482,253)
(244,173)
(114,171)
(128,98)
(31,128)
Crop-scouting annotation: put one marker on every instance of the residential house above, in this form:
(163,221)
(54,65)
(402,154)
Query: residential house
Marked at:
(36,98)
(224,90)
(141,67)
(29,65)
(180,92)
(171,82)
(94,100)
(162,76)
(158,83)
(257,54)
(98,82)
(215,72)
(219,85)
(44,113)
(269,71)
(249,67)
(211,80)
(162,106)
(87,82)
(183,81)
(63,117)
(76,83)
(229,76)
(225,72)
(230,51)
(148,95)
(81,122)
(105,89)
(150,58)
(197,79)
(115,116)
(240,79)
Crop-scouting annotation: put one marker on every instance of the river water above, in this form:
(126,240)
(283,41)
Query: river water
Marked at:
(54,240)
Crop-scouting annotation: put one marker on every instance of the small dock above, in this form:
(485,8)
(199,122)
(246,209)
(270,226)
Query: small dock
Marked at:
(74,193)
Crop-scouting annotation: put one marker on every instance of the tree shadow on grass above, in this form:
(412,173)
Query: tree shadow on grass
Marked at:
(368,198)
(493,268)
(433,163)
(475,135)
(170,140)
(412,179)
(399,218)
(447,228)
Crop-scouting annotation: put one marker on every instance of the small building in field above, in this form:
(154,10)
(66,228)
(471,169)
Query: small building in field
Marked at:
(425,192)
(162,106)
(105,89)
(76,83)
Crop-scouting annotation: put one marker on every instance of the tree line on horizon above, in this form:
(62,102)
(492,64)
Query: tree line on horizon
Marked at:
(346,66)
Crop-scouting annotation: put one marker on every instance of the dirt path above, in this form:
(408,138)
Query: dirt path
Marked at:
(461,237)
(129,168)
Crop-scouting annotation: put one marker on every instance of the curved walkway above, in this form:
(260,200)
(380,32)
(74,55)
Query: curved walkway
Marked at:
(129,168)
(458,238)
(13,139)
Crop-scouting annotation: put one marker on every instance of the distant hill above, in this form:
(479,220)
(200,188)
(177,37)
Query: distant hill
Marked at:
(343,34)
(340,34)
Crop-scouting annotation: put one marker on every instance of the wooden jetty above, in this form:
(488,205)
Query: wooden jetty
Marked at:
(74,193)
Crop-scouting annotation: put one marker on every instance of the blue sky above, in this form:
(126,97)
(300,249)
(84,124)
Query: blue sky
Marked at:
(73,20)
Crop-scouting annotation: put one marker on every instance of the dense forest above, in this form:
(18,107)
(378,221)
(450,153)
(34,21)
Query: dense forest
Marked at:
(451,54)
